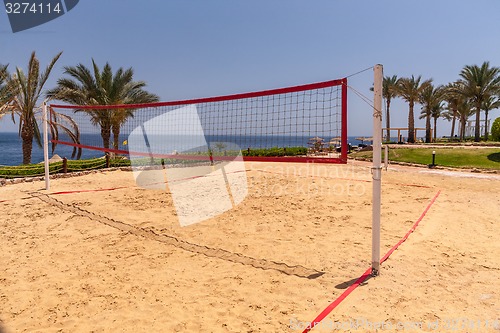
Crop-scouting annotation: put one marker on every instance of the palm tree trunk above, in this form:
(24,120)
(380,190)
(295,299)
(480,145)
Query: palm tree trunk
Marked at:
(462,129)
(486,126)
(428,134)
(116,136)
(105,134)
(435,128)
(411,124)
(477,134)
(388,121)
(453,125)
(27,133)
(27,149)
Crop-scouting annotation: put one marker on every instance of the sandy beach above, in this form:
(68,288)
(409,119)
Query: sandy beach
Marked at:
(119,261)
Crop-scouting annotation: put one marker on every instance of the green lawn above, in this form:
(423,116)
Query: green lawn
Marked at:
(483,158)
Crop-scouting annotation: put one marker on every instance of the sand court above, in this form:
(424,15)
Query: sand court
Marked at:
(118,260)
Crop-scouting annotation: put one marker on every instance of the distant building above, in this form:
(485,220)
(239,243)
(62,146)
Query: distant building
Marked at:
(470,127)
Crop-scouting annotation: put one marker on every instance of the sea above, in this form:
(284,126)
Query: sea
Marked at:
(11,145)
(11,152)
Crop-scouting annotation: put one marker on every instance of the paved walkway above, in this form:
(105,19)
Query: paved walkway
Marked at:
(464,173)
(466,146)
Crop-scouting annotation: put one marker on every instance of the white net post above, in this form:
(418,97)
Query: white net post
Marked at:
(377,167)
(45,145)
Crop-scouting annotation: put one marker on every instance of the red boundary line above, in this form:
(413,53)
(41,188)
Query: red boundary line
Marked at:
(318,85)
(125,187)
(113,188)
(394,248)
(367,273)
(85,191)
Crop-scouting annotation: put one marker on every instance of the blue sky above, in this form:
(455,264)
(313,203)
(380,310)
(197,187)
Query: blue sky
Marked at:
(193,48)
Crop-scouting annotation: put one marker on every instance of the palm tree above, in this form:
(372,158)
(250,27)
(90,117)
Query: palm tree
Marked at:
(452,97)
(427,103)
(450,114)
(464,111)
(389,86)
(23,92)
(478,84)
(489,104)
(431,99)
(410,89)
(3,73)
(4,94)
(95,87)
(436,112)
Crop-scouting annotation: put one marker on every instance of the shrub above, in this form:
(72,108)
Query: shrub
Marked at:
(276,151)
(33,170)
(495,130)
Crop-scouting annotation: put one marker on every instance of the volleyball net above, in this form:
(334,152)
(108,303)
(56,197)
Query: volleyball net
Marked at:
(306,123)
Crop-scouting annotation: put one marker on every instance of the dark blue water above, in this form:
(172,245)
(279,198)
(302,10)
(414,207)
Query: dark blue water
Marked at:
(11,152)
(11,145)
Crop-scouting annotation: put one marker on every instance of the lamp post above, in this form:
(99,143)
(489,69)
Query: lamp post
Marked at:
(433,159)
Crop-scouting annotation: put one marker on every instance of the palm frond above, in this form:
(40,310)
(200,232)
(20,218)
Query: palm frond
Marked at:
(19,80)
(24,91)
(45,74)
(69,126)
(102,87)
(54,133)
(36,129)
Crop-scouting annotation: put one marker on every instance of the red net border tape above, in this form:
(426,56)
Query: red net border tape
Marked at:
(318,85)
(115,188)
